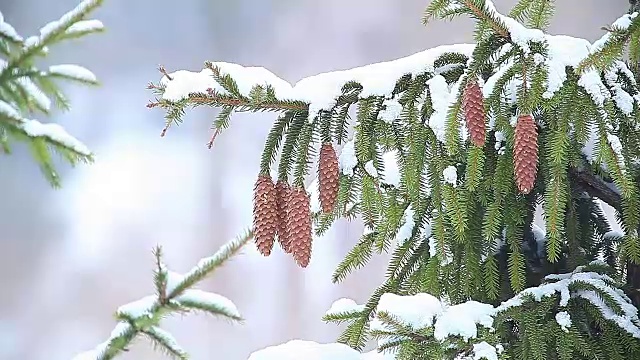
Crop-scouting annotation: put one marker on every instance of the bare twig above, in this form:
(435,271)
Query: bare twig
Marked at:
(163,71)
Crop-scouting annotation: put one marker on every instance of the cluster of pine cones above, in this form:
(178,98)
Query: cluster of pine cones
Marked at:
(525,150)
(282,211)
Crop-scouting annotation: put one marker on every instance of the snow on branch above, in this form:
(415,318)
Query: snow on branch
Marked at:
(235,87)
(224,84)
(434,323)
(25,89)
(520,70)
(174,294)
(310,350)
(52,133)
(611,45)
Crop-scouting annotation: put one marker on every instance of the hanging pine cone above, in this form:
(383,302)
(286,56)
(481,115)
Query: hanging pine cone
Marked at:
(283,192)
(328,177)
(265,215)
(473,106)
(299,226)
(525,153)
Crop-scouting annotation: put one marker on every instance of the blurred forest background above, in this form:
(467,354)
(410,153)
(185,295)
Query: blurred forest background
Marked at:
(70,257)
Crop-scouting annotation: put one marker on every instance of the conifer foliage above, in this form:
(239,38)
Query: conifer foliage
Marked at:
(25,89)
(174,294)
(446,163)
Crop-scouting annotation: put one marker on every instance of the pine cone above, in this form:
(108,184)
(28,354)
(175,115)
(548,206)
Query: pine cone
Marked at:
(525,153)
(283,192)
(299,226)
(328,177)
(473,105)
(265,215)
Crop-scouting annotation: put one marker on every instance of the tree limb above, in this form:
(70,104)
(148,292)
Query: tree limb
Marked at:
(596,186)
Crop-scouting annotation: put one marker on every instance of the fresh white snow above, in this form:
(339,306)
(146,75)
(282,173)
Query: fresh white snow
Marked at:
(424,310)
(209,298)
(371,169)
(314,196)
(7,30)
(391,112)
(484,350)
(35,93)
(72,71)
(9,111)
(408,224)
(391,172)
(450,175)
(308,350)
(441,99)
(56,133)
(139,308)
(173,279)
(344,305)
(84,26)
(347,159)
(623,100)
(462,320)
(417,311)
(621,23)
(626,322)
(564,320)
(320,91)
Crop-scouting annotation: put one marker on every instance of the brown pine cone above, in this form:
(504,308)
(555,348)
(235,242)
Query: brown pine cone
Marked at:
(525,153)
(299,226)
(328,177)
(265,215)
(283,192)
(473,106)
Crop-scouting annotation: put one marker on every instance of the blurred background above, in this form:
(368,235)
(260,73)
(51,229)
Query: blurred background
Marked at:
(70,257)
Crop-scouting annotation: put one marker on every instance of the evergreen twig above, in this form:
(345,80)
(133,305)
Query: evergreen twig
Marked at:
(173,295)
(25,89)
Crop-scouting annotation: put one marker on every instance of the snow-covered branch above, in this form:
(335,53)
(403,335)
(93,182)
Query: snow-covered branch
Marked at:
(222,84)
(425,325)
(174,294)
(429,162)
(25,89)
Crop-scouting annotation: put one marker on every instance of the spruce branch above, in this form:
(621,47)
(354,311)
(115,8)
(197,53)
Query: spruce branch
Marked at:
(479,10)
(26,89)
(174,294)
(50,34)
(229,99)
(462,244)
(611,46)
(534,13)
